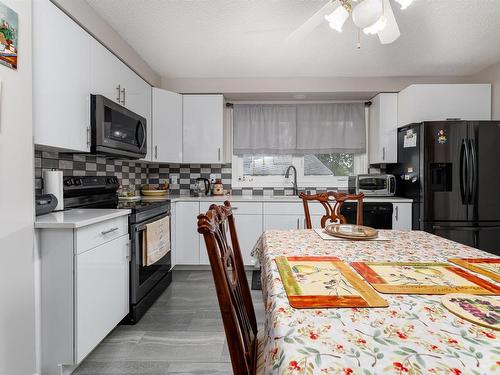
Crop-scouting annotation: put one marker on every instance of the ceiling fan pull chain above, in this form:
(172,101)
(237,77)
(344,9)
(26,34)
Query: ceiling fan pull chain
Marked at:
(359,39)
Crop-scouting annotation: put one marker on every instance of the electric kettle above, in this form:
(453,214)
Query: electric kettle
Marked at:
(202,187)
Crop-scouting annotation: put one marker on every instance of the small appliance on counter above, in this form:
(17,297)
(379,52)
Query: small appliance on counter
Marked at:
(218,188)
(53,184)
(202,187)
(45,204)
(379,185)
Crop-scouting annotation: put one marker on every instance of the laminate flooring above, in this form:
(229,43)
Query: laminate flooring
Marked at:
(182,333)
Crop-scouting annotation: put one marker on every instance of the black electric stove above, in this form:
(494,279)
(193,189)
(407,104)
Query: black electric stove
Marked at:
(147,283)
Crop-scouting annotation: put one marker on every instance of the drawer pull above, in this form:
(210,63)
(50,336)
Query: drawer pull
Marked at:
(104,232)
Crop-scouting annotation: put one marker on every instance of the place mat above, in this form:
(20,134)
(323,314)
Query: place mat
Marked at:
(485,266)
(325,236)
(324,282)
(484,311)
(422,278)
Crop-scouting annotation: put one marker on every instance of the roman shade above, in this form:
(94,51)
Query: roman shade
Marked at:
(301,129)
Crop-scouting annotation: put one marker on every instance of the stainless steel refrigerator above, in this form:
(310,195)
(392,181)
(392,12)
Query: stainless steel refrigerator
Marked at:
(451,169)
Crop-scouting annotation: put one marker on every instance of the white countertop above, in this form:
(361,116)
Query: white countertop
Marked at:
(77,218)
(257,198)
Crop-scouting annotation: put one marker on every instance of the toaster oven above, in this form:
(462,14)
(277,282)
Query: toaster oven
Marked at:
(376,184)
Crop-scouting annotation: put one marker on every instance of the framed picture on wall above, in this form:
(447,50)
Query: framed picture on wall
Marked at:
(8,36)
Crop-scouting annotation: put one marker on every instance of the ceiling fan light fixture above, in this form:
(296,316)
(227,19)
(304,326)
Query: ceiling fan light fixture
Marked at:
(337,18)
(404,3)
(367,13)
(376,27)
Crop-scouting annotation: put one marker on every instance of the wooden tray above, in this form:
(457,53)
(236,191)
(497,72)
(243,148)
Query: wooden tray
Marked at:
(422,278)
(484,311)
(351,232)
(485,266)
(324,282)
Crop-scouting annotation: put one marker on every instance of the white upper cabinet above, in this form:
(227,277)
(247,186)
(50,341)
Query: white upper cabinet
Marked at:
(203,129)
(61,82)
(167,127)
(437,102)
(383,124)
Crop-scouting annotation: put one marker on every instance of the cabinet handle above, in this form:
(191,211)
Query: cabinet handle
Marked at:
(397,213)
(118,99)
(129,252)
(104,232)
(156,152)
(124,95)
(219,154)
(304,223)
(383,153)
(88,135)
(298,221)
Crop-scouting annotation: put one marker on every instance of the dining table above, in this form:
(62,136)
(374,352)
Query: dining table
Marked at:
(415,334)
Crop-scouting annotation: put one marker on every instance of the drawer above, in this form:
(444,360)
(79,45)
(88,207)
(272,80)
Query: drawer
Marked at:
(287,208)
(94,235)
(239,208)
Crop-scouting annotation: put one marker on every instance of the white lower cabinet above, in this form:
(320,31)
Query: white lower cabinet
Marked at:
(283,222)
(84,290)
(401,216)
(102,295)
(187,239)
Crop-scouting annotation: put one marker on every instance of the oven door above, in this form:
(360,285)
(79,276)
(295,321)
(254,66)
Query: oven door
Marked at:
(117,130)
(144,278)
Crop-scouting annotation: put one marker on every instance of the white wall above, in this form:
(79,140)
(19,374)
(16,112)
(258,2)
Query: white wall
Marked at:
(294,85)
(84,14)
(17,303)
(490,75)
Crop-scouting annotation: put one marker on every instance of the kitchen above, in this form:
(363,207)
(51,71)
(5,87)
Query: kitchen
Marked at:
(121,155)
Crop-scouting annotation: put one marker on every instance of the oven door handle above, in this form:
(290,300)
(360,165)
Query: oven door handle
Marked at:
(141,227)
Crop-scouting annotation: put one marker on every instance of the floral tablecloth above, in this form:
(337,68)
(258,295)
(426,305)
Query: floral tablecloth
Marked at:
(414,335)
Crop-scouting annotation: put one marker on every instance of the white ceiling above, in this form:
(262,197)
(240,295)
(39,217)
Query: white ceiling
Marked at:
(246,38)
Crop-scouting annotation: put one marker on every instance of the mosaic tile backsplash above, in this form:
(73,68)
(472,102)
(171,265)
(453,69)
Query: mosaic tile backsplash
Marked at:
(134,174)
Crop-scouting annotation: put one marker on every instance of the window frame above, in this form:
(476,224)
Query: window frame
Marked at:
(241,181)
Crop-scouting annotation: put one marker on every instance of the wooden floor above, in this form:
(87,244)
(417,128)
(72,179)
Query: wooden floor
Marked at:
(181,334)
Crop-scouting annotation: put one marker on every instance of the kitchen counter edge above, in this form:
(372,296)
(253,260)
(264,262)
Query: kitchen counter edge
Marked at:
(77,218)
(283,199)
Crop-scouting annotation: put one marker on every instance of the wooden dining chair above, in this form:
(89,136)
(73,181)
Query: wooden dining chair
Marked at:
(333,214)
(233,293)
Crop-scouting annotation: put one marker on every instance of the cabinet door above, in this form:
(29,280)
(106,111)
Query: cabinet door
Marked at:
(283,222)
(106,72)
(249,229)
(102,292)
(401,216)
(187,239)
(374,131)
(203,128)
(388,125)
(167,126)
(61,82)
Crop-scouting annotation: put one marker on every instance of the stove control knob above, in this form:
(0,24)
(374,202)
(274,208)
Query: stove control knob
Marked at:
(68,182)
(78,181)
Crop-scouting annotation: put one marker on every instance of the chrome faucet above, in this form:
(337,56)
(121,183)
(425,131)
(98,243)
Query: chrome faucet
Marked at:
(287,174)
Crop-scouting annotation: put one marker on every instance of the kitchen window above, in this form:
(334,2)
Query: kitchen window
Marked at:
(324,142)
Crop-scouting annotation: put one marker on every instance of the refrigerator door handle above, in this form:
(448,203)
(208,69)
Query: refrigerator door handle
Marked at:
(464,161)
(473,172)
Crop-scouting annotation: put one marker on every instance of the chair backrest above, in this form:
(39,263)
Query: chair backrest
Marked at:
(233,293)
(333,214)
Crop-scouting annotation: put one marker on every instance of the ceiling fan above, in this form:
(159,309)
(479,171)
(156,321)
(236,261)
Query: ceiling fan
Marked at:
(371,16)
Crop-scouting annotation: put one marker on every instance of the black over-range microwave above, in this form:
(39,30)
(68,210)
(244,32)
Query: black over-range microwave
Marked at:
(116,131)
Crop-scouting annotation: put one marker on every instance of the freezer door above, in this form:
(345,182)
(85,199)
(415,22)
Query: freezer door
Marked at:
(485,180)
(445,171)
(486,238)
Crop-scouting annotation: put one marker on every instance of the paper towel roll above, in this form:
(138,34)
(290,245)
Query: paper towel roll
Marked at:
(53,184)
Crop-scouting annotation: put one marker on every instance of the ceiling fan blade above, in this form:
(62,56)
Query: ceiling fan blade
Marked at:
(314,21)
(391,31)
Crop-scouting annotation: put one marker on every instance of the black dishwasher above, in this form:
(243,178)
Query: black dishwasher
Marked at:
(377,215)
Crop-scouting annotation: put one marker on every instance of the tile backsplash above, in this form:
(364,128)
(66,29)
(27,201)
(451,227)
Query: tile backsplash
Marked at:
(134,174)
